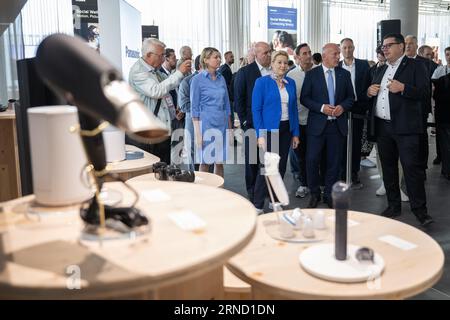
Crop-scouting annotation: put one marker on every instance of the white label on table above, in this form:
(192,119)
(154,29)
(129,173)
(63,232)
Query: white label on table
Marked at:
(398,243)
(351,223)
(155,195)
(187,220)
(197,178)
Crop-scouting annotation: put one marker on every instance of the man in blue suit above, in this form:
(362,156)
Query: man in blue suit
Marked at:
(328,94)
(359,70)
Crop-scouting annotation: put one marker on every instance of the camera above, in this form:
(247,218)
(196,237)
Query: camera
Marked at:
(164,172)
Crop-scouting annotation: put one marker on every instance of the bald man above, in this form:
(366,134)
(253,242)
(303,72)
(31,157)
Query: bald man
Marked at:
(243,90)
(328,94)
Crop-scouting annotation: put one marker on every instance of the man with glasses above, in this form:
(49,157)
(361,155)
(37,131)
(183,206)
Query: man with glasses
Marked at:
(243,90)
(397,93)
(154,88)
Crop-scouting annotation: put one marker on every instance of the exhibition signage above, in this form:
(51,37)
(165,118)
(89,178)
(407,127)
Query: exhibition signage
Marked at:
(282,18)
(85,21)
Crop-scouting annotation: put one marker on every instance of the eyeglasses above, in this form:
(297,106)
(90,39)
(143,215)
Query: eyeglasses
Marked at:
(159,55)
(388,45)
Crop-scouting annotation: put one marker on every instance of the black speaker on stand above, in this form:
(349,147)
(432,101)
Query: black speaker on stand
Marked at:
(33,93)
(385,27)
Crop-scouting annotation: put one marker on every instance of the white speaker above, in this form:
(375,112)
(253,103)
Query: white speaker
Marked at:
(114,144)
(57,156)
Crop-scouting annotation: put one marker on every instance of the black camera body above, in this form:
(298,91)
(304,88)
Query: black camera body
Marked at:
(164,172)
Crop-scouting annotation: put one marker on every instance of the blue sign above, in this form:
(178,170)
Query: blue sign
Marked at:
(282,18)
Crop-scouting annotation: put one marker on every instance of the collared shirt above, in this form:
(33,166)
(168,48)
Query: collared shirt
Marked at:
(264,71)
(441,71)
(383,110)
(298,75)
(333,73)
(352,69)
(208,96)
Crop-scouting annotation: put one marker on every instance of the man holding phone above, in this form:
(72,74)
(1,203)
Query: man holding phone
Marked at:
(397,92)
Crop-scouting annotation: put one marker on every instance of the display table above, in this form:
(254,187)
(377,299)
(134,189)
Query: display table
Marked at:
(42,259)
(272,267)
(203,178)
(10,187)
(128,169)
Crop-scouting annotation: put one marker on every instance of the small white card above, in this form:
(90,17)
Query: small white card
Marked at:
(351,223)
(198,179)
(398,243)
(155,195)
(187,220)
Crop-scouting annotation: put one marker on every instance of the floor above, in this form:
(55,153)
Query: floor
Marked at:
(438,193)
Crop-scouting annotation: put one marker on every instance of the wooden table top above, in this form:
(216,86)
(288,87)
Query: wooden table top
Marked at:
(273,266)
(134,165)
(8,114)
(35,255)
(203,178)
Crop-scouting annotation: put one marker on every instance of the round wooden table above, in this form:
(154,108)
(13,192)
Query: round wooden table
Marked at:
(272,267)
(41,259)
(128,169)
(202,178)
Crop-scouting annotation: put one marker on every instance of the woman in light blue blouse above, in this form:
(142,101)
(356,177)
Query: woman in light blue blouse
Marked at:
(211,112)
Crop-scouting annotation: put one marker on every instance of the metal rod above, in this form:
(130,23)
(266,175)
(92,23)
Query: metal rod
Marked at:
(349,149)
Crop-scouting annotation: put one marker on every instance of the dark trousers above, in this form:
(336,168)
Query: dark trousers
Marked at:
(251,163)
(301,156)
(358,127)
(334,142)
(284,138)
(424,148)
(161,150)
(390,148)
(443,134)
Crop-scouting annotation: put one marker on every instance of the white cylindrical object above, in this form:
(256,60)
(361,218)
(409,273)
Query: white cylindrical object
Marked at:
(286,229)
(114,144)
(319,220)
(57,156)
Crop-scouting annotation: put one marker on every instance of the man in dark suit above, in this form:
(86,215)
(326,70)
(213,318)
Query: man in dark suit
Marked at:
(411,52)
(227,73)
(359,70)
(328,94)
(243,89)
(398,90)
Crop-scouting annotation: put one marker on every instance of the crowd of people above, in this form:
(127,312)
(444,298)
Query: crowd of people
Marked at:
(300,111)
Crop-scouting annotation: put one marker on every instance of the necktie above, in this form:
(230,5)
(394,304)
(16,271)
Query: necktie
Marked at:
(330,85)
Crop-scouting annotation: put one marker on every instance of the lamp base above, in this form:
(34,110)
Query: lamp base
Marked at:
(320,262)
(114,234)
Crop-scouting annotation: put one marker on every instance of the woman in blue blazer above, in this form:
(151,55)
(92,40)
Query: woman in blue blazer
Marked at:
(275,118)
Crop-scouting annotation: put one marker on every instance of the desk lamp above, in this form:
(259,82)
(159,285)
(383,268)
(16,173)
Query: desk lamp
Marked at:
(86,80)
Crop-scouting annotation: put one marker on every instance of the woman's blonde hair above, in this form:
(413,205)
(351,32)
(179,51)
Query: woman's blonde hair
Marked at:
(206,54)
(276,54)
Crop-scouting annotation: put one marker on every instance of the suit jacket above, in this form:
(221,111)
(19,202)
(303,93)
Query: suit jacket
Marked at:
(315,95)
(173,93)
(143,80)
(362,69)
(266,105)
(243,90)
(226,72)
(407,107)
(430,66)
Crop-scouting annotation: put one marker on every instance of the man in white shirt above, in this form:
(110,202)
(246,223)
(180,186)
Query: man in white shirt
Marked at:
(303,58)
(154,89)
(359,70)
